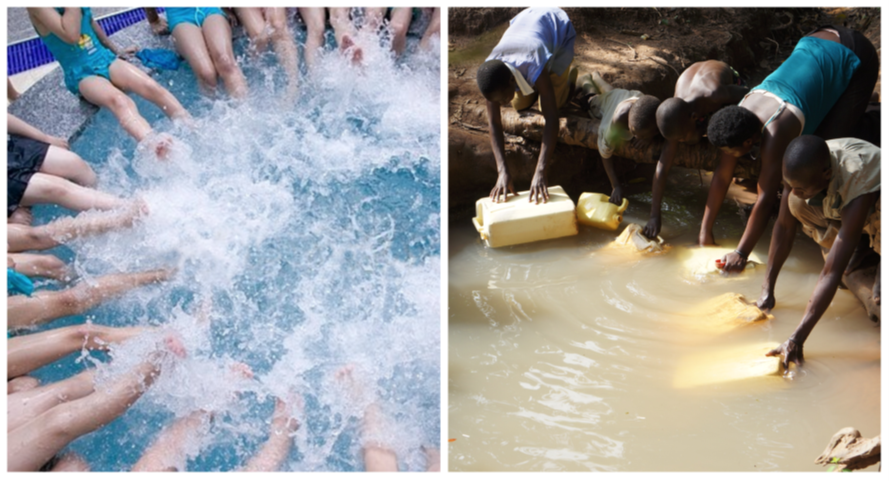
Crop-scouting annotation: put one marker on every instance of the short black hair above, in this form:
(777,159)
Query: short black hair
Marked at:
(493,76)
(641,117)
(671,116)
(806,155)
(732,125)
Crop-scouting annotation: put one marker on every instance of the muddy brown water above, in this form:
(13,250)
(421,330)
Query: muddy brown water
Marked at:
(570,355)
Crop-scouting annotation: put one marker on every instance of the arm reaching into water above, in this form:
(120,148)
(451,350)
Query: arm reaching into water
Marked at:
(668,151)
(779,249)
(504,185)
(538,190)
(854,216)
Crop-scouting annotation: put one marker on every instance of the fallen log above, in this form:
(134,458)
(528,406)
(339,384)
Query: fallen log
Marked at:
(848,450)
(583,132)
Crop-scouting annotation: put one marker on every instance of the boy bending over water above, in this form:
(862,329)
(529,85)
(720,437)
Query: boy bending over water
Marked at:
(833,189)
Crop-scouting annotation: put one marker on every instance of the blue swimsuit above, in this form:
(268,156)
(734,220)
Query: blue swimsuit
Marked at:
(85,58)
(194,16)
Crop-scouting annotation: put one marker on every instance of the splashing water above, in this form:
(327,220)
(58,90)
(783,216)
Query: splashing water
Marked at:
(313,232)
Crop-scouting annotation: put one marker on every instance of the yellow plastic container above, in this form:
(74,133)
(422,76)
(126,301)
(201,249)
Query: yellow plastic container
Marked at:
(596,210)
(723,314)
(729,365)
(519,221)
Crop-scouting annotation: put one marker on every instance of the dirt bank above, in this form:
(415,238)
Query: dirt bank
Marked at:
(611,41)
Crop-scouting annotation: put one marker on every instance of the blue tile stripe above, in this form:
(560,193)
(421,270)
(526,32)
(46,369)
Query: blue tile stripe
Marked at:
(31,53)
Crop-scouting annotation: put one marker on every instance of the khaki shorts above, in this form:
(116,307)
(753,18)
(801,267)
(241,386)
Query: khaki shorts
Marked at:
(824,230)
(562,87)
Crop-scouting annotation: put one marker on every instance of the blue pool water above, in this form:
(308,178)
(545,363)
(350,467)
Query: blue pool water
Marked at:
(313,229)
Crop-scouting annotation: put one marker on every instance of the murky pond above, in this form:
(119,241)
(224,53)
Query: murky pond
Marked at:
(573,355)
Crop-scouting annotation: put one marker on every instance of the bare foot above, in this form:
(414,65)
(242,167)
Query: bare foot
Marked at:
(100,337)
(283,421)
(71,462)
(241,370)
(159,144)
(22,216)
(173,344)
(433,459)
(350,50)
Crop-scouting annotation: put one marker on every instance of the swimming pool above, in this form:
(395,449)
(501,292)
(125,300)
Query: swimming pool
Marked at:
(314,231)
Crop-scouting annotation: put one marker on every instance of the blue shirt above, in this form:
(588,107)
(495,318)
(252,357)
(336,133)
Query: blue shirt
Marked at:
(813,78)
(537,38)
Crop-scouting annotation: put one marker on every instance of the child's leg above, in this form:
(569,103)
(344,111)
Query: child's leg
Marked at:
(373,18)
(399,21)
(103,93)
(255,27)
(66,164)
(41,265)
(274,452)
(21,384)
(433,460)
(189,41)
(285,46)
(44,306)
(218,37)
(23,407)
(21,237)
(314,20)
(129,78)
(342,25)
(432,30)
(36,442)
(168,452)
(32,351)
(49,189)
(377,456)
(71,462)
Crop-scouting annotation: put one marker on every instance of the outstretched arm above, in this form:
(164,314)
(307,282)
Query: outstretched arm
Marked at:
(104,40)
(496,132)
(158,23)
(716,194)
(853,219)
(616,195)
(668,151)
(779,248)
(768,184)
(548,143)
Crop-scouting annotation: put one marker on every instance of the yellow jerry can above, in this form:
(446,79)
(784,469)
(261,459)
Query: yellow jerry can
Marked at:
(729,365)
(596,210)
(518,221)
